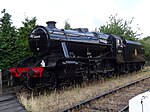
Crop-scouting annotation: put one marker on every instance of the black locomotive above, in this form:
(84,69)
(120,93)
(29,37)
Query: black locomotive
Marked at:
(66,54)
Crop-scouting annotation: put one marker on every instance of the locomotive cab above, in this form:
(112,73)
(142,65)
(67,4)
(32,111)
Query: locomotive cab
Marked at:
(118,48)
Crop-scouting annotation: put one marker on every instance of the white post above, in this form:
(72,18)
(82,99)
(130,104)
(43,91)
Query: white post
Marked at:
(1,81)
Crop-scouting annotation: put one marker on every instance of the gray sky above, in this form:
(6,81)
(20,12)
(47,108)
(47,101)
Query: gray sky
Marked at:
(79,13)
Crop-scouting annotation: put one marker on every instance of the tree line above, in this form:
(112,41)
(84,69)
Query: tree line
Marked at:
(14,41)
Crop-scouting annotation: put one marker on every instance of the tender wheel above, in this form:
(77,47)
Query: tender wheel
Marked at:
(49,79)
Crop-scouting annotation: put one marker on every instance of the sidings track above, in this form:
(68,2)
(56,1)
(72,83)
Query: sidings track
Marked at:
(10,103)
(112,101)
(125,109)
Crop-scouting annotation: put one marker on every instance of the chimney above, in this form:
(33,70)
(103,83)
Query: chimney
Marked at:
(51,24)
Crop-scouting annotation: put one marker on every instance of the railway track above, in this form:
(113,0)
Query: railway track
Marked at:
(125,109)
(112,101)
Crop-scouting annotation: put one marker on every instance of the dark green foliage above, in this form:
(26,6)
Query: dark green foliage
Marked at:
(23,33)
(8,37)
(28,25)
(146,43)
(13,42)
(67,26)
(119,27)
(146,38)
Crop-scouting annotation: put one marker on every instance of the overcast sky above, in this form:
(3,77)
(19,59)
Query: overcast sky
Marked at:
(79,13)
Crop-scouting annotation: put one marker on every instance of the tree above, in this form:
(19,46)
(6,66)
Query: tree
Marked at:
(28,25)
(67,26)
(146,43)
(146,38)
(14,42)
(8,39)
(119,27)
(23,33)
(6,28)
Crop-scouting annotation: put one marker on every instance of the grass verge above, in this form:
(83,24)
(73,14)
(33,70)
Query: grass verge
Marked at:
(56,100)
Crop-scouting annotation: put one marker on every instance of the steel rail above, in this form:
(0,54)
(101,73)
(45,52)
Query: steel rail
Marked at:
(125,109)
(84,102)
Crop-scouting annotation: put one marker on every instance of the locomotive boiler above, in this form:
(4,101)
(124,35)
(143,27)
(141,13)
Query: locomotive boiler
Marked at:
(60,54)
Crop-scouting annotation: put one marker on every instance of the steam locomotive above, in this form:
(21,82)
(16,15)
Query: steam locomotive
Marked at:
(66,54)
